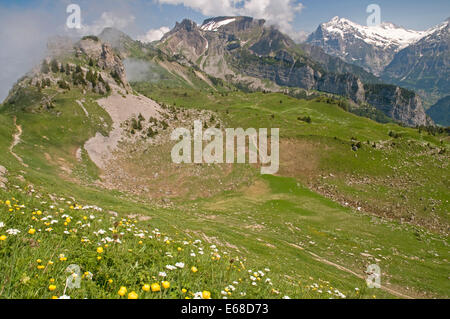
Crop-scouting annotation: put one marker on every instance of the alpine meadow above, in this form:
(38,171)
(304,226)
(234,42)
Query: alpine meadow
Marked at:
(336,184)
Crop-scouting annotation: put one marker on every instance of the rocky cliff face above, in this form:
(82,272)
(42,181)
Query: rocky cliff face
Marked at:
(186,39)
(401,104)
(333,64)
(397,103)
(103,55)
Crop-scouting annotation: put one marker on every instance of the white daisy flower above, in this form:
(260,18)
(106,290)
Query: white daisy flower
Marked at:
(13,231)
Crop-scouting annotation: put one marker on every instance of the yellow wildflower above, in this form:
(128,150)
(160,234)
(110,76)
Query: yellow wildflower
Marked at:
(206,295)
(122,291)
(133,295)
(146,287)
(156,287)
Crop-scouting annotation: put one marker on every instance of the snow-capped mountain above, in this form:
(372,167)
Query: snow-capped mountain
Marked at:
(384,35)
(424,65)
(372,48)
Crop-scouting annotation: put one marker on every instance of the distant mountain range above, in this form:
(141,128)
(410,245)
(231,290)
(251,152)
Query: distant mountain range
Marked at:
(245,53)
(245,50)
(417,60)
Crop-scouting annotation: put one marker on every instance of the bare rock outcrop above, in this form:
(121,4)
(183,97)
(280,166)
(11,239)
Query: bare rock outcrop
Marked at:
(106,58)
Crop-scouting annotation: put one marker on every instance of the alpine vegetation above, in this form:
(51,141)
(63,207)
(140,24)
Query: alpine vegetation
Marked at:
(235,147)
(226,161)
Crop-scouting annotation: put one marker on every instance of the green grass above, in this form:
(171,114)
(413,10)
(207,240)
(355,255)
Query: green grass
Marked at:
(410,160)
(110,253)
(310,243)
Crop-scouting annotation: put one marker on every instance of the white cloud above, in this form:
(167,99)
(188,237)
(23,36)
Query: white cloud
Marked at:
(23,38)
(276,12)
(153,35)
(107,20)
(206,7)
(298,36)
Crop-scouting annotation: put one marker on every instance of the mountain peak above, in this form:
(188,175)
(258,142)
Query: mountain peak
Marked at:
(335,19)
(113,35)
(112,31)
(186,24)
(116,38)
(384,35)
(338,19)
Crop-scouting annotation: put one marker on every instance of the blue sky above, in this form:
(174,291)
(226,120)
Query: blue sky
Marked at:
(413,14)
(149,14)
(25,25)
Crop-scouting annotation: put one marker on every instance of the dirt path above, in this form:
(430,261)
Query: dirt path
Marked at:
(16,141)
(347,270)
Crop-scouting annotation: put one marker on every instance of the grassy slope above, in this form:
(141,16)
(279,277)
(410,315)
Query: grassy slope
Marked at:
(276,223)
(405,170)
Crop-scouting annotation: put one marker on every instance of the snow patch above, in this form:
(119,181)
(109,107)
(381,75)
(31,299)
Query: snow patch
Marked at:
(216,25)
